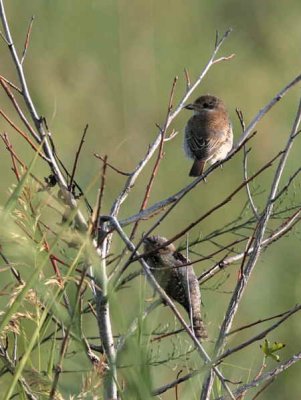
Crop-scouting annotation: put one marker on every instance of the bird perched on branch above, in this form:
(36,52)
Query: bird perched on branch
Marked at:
(208,133)
(178,279)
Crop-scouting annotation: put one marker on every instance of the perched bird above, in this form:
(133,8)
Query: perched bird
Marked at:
(208,133)
(176,278)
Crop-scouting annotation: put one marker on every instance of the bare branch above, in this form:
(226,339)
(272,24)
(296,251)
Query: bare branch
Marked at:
(132,179)
(266,376)
(168,301)
(265,109)
(12,85)
(258,238)
(213,209)
(23,134)
(245,168)
(26,44)
(187,77)
(277,234)
(19,111)
(112,166)
(104,322)
(100,193)
(77,156)
(38,121)
(227,58)
(260,336)
(159,158)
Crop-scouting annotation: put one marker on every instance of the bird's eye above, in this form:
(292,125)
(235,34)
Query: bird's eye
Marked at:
(205,105)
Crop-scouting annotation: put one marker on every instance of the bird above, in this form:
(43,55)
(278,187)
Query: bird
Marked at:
(208,133)
(178,279)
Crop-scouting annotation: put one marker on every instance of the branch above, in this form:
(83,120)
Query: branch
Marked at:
(159,158)
(132,179)
(266,376)
(260,336)
(38,121)
(77,156)
(258,238)
(168,301)
(9,364)
(277,234)
(213,209)
(104,324)
(27,40)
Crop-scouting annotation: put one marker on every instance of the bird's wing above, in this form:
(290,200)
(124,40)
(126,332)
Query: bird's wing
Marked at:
(197,145)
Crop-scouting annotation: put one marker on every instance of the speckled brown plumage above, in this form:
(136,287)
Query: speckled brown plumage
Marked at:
(179,282)
(208,133)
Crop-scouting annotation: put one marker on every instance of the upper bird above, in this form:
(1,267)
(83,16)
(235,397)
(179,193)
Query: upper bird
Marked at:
(208,133)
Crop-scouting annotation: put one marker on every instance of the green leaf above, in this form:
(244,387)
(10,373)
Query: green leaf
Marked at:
(270,348)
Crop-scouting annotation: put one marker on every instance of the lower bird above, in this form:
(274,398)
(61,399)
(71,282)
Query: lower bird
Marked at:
(208,133)
(178,279)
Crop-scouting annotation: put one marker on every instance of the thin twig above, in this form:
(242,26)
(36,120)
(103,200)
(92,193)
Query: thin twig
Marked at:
(23,134)
(218,60)
(112,166)
(19,111)
(11,84)
(187,77)
(276,235)
(13,158)
(245,166)
(15,272)
(159,158)
(77,156)
(260,321)
(100,193)
(174,383)
(260,335)
(26,44)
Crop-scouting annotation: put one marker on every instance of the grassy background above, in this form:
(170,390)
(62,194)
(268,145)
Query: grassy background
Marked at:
(111,64)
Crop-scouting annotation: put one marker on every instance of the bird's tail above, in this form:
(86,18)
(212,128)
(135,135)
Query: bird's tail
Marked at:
(197,168)
(199,328)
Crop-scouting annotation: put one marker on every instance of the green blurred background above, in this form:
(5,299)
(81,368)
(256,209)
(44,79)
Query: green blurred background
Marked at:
(111,64)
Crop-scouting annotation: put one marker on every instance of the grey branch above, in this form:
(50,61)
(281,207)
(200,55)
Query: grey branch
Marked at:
(69,198)
(153,147)
(173,198)
(105,326)
(168,301)
(277,234)
(253,258)
(266,376)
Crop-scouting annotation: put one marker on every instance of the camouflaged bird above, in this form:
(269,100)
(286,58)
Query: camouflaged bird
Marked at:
(208,133)
(179,282)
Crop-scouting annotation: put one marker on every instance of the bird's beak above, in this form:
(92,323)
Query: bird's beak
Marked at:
(190,107)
